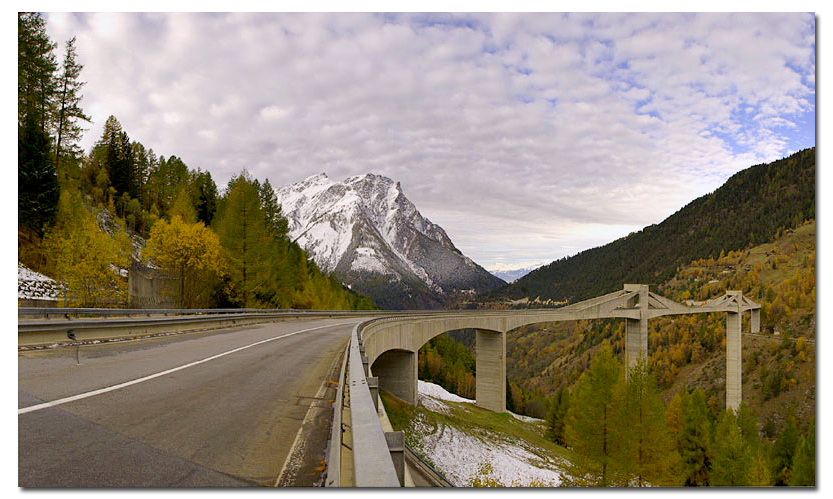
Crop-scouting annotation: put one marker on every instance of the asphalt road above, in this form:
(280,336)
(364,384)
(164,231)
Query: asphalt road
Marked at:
(244,399)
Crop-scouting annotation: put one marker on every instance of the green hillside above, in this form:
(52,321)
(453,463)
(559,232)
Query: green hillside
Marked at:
(747,210)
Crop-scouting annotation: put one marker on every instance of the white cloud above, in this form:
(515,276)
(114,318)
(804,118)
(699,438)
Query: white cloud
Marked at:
(526,136)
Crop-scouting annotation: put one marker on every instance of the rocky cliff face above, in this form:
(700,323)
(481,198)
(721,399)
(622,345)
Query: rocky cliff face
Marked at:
(373,239)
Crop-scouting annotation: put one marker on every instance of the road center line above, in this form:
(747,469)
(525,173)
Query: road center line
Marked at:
(80,396)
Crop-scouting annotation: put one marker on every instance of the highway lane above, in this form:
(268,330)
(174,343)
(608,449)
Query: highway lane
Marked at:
(230,418)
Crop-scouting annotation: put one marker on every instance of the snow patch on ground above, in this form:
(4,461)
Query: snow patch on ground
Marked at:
(438,392)
(526,419)
(33,285)
(459,455)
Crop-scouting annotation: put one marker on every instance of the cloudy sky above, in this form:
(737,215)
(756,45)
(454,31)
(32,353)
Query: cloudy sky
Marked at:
(527,137)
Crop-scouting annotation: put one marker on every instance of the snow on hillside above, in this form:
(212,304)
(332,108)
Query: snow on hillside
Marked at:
(372,237)
(32,285)
(459,454)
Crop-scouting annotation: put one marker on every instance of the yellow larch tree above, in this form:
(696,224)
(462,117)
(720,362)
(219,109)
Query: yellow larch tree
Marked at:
(188,252)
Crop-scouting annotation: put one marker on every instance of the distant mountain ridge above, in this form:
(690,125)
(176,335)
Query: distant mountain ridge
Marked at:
(746,210)
(371,237)
(511,273)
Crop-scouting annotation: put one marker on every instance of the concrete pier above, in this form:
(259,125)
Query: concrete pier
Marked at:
(397,372)
(733,359)
(490,350)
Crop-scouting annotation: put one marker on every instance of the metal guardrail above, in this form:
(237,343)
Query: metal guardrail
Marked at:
(336,434)
(372,462)
(114,324)
(127,312)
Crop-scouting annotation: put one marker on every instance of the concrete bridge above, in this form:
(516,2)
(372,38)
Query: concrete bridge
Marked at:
(390,345)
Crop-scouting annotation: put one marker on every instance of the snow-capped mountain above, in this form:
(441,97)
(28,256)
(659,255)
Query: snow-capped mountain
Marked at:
(366,232)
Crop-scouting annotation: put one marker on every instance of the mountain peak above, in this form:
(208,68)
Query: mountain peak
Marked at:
(316,179)
(365,230)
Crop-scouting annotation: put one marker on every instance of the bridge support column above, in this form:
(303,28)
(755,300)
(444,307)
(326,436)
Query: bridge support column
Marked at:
(636,330)
(755,320)
(733,360)
(397,373)
(490,382)
(636,341)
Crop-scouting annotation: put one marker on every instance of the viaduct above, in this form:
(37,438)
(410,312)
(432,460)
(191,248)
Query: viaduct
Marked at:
(390,345)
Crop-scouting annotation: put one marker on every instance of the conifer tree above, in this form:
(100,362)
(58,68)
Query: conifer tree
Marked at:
(67,129)
(183,207)
(694,440)
(590,429)
(245,239)
(759,473)
(803,471)
(557,416)
(783,450)
(748,425)
(37,181)
(36,66)
(206,205)
(674,415)
(646,453)
(272,210)
(732,457)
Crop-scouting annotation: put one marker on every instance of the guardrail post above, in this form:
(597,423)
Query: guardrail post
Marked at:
(373,385)
(365,365)
(396,446)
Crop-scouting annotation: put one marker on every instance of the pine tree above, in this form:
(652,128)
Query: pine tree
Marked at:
(206,196)
(732,457)
(37,181)
(645,454)
(783,450)
(245,239)
(694,440)
(803,471)
(277,224)
(759,473)
(184,207)
(557,416)
(68,131)
(674,415)
(748,424)
(590,429)
(36,66)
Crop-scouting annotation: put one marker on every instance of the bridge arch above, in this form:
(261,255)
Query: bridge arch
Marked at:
(392,350)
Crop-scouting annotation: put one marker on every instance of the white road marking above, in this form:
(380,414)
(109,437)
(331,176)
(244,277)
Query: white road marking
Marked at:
(307,418)
(81,396)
